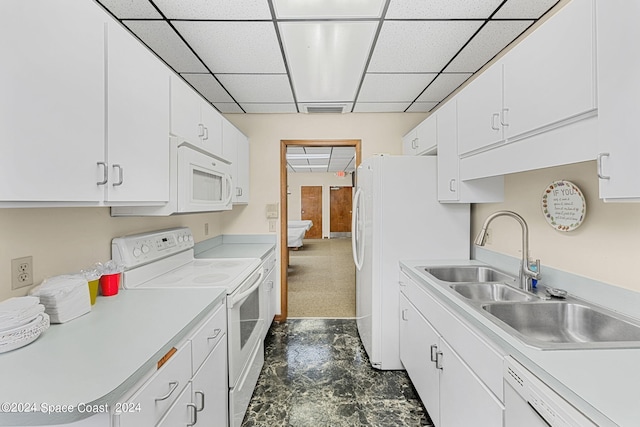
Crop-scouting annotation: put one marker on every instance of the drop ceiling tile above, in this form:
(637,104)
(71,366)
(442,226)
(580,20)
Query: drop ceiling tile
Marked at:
(378,107)
(421,107)
(218,9)
(295,150)
(441,9)
(343,152)
(393,87)
(318,150)
(131,9)
(524,9)
(442,86)
(161,38)
(419,46)
(323,9)
(269,108)
(326,59)
(228,107)
(486,44)
(258,88)
(209,87)
(234,47)
(297,162)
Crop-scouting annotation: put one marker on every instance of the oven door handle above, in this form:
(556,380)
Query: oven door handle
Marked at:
(238,298)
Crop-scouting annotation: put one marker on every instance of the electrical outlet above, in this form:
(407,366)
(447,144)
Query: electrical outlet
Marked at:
(272,226)
(206,228)
(21,272)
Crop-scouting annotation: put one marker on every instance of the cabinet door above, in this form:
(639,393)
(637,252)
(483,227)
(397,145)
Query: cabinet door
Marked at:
(212,122)
(211,388)
(182,413)
(426,137)
(463,398)
(550,76)
(618,94)
(480,111)
(448,163)
(416,340)
(185,111)
(409,143)
(137,121)
(235,148)
(52,103)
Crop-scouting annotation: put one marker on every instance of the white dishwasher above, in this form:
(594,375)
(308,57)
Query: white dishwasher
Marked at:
(531,403)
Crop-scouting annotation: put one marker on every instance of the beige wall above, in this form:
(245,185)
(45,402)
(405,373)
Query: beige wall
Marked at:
(379,132)
(605,247)
(326,180)
(65,240)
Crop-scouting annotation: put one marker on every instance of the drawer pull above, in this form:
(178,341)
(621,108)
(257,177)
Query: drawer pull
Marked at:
(194,414)
(216,332)
(173,386)
(201,394)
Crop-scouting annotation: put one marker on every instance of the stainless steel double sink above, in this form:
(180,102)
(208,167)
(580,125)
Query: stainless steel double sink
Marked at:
(533,318)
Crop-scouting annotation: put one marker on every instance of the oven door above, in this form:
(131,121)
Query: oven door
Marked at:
(204,182)
(245,315)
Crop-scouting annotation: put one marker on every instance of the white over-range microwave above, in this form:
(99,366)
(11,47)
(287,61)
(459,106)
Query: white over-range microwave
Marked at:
(199,182)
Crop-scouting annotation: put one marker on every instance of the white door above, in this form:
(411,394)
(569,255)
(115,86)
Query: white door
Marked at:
(138,121)
(52,103)
(448,164)
(210,388)
(185,111)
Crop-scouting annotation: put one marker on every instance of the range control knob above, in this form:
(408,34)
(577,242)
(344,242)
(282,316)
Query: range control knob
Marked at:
(190,238)
(137,252)
(180,238)
(145,249)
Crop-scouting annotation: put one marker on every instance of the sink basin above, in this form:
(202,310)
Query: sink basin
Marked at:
(491,292)
(561,324)
(468,273)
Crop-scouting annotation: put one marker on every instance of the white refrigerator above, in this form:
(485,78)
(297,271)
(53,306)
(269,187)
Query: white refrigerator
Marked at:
(397,216)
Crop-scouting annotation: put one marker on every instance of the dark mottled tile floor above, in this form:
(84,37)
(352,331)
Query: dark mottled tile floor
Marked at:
(316,373)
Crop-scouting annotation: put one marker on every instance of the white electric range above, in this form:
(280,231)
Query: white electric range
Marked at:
(165,259)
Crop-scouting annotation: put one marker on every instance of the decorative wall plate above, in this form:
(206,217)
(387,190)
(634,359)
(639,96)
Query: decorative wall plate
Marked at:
(563,205)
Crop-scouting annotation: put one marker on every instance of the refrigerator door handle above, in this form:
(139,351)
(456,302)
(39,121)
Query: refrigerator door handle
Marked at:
(356,241)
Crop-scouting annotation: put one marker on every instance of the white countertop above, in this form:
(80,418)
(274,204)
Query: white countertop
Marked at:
(602,383)
(96,358)
(237,250)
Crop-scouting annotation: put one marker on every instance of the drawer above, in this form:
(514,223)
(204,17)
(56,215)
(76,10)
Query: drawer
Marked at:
(205,338)
(483,359)
(182,412)
(158,393)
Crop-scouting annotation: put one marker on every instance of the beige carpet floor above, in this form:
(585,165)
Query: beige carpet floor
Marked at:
(322,279)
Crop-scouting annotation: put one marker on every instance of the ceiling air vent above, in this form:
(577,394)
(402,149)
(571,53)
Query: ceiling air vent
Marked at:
(313,109)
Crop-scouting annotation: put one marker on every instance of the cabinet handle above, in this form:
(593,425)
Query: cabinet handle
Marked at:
(173,385)
(402,283)
(404,315)
(599,165)
(238,191)
(201,394)
(200,130)
(452,186)
(439,360)
(120,175)
(206,133)
(105,174)
(216,332)
(434,349)
(416,143)
(194,414)
(494,118)
(504,119)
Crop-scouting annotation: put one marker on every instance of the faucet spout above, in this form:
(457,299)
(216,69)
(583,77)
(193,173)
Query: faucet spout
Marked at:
(526,274)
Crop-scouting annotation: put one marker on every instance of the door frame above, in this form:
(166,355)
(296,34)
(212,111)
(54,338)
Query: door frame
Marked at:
(284,214)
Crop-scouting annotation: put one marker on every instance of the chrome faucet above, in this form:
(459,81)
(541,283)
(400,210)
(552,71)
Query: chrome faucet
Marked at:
(526,274)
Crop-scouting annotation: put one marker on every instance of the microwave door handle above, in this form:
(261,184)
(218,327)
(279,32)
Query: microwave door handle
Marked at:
(230,187)
(235,299)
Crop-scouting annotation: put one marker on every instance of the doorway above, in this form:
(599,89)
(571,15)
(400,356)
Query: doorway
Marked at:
(284,250)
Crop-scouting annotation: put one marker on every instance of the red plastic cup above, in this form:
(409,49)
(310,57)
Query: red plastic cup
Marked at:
(109,284)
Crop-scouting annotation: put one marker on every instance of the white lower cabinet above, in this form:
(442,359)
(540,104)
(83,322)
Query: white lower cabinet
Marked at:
(210,390)
(457,376)
(182,413)
(270,292)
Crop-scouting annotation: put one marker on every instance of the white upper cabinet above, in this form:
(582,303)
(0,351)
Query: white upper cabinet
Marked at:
(193,119)
(480,111)
(137,152)
(618,95)
(52,105)
(450,187)
(235,148)
(422,139)
(550,76)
